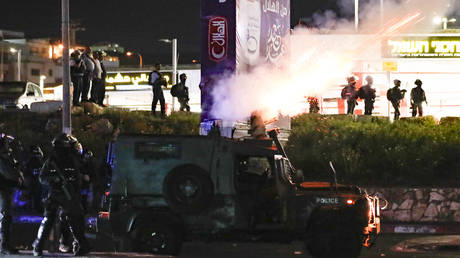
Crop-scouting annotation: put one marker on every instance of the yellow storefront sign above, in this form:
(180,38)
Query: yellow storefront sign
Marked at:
(390,66)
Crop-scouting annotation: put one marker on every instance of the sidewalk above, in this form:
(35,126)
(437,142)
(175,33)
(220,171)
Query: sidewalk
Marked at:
(430,243)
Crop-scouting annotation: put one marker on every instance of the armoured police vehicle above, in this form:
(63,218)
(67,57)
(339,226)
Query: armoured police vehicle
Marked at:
(167,189)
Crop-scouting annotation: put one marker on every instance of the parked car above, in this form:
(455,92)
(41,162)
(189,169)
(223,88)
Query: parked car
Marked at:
(19,95)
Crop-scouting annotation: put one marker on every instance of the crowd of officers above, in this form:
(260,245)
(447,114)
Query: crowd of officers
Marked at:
(394,95)
(88,73)
(63,180)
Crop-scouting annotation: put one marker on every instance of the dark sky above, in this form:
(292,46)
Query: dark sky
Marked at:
(136,24)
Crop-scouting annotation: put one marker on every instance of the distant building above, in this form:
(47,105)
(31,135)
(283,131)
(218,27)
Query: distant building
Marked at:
(39,59)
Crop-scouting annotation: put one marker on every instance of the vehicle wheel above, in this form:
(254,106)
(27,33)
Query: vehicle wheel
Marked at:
(156,239)
(25,107)
(188,189)
(334,238)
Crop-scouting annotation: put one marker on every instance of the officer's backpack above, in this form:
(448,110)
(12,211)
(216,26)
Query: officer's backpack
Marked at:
(174,91)
(390,94)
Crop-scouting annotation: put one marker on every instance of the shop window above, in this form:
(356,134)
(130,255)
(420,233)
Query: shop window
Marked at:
(35,72)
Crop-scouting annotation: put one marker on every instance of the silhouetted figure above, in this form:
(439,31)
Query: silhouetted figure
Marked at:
(367,93)
(156,80)
(417,97)
(395,95)
(349,93)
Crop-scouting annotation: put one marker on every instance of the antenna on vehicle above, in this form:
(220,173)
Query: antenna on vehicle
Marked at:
(334,179)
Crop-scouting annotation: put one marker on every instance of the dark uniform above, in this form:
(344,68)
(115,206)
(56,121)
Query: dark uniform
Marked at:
(101,93)
(77,70)
(417,96)
(349,93)
(62,172)
(10,178)
(395,95)
(367,93)
(34,163)
(182,94)
(156,80)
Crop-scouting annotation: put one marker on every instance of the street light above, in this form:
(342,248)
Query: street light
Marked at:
(130,53)
(14,50)
(443,21)
(174,61)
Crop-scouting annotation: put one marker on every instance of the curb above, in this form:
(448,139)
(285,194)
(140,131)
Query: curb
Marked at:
(421,228)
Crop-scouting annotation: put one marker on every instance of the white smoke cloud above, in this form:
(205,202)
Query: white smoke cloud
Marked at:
(316,64)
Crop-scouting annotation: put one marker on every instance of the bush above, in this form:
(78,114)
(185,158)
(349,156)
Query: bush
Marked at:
(40,129)
(375,152)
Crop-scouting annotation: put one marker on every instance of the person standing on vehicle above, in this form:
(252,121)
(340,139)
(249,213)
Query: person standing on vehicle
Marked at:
(101,92)
(395,95)
(97,78)
(367,93)
(10,178)
(417,96)
(156,80)
(77,70)
(88,75)
(182,93)
(349,93)
(62,172)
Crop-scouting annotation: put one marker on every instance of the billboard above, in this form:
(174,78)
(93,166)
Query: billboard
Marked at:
(238,35)
(422,47)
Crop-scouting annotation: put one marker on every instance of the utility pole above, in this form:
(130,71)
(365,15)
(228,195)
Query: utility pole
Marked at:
(174,66)
(356,14)
(66,119)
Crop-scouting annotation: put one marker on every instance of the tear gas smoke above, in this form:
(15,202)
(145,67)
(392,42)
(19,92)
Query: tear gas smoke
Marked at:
(315,64)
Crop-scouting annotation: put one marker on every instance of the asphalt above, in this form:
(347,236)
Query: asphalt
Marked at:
(429,243)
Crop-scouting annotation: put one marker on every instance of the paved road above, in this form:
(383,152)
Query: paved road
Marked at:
(275,250)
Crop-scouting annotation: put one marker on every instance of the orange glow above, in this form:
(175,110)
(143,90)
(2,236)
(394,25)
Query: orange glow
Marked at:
(129,53)
(350,202)
(50,52)
(194,61)
(61,46)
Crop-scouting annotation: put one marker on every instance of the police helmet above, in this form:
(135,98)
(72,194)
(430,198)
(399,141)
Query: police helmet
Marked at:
(65,141)
(418,82)
(351,79)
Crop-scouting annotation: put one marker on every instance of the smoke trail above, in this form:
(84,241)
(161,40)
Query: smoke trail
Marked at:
(317,63)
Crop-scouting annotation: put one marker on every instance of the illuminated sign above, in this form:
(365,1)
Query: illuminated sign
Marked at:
(218,38)
(390,66)
(132,78)
(417,47)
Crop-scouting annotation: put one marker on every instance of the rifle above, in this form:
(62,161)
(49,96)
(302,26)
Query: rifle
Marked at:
(63,180)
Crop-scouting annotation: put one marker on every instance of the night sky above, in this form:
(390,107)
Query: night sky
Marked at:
(136,25)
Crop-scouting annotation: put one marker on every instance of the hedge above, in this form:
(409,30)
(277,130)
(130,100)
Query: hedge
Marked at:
(40,129)
(368,151)
(372,151)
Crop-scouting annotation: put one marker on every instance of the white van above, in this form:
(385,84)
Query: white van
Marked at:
(19,95)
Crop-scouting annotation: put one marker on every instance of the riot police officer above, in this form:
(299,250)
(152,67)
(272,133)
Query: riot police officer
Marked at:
(62,173)
(10,178)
